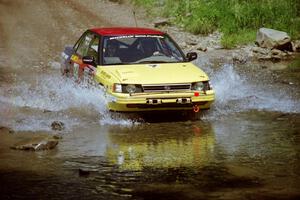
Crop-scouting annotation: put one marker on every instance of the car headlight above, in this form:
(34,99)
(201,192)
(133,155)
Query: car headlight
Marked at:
(127,88)
(198,86)
(130,88)
(201,86)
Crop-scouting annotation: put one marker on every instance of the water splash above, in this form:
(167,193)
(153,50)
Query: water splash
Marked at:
(54,94)
(77,104)
(236,93)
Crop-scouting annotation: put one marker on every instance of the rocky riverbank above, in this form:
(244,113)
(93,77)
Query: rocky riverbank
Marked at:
(209,45)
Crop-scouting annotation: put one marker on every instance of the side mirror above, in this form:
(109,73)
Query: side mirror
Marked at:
(191,56)
(90,60)
(69,50)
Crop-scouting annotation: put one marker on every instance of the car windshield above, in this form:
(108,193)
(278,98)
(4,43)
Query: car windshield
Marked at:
(135,49)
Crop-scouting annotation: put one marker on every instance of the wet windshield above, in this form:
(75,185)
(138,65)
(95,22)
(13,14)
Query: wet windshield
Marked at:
(135,49)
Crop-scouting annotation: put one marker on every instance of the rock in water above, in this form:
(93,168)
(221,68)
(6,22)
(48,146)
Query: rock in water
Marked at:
(57,126)
(5,130)
(45,144)
(83,172)
(273,39)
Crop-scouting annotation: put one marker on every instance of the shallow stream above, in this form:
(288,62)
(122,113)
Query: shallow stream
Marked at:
(245,147)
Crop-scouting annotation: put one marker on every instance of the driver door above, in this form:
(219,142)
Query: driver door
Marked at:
(88,45)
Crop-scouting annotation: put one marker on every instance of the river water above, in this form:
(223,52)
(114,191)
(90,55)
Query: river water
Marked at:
(245,147)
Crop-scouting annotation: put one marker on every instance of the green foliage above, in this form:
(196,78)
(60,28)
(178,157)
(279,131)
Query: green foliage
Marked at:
(144,2)
(230,40)
(295,65)
(236,19)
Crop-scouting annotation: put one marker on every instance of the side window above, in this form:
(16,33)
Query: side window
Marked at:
(93,48)
(84,44)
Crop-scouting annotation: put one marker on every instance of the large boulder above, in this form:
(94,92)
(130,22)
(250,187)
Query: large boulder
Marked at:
(273,39)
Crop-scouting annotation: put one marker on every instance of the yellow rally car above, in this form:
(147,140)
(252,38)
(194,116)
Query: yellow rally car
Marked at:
(140,69)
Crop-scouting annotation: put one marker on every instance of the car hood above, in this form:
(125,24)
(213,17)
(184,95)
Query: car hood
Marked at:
(156,73)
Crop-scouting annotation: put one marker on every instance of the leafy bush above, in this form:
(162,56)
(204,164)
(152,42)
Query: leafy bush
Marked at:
(235,18)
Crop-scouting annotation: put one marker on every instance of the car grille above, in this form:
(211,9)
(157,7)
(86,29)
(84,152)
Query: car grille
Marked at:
(166,87)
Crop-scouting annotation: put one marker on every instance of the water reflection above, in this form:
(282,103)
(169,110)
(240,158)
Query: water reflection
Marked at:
(251,154)
(164,145)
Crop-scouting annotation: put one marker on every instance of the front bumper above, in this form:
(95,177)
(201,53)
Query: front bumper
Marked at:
(160,101)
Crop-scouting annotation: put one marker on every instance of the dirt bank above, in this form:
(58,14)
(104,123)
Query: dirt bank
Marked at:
(35,32)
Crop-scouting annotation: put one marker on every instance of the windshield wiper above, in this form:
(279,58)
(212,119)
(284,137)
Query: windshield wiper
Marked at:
(151,61)
(119,63)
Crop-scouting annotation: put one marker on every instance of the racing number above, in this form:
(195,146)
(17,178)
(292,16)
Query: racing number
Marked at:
(76,65)
(75,71)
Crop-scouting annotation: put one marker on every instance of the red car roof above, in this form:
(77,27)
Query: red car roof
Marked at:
(126,31)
